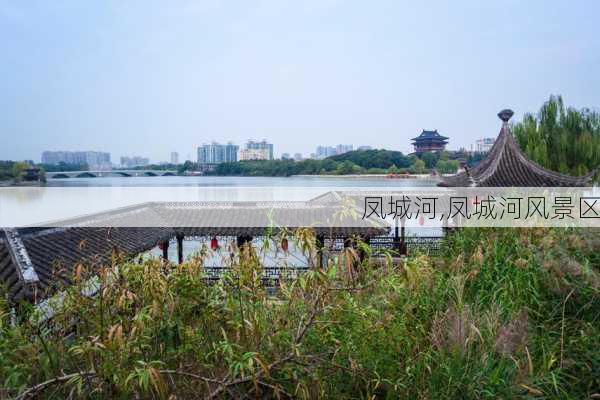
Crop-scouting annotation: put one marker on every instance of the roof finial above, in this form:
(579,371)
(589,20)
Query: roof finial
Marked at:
(505,114)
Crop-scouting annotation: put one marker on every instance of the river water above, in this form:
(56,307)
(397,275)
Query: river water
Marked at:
(244,181)
(71,197)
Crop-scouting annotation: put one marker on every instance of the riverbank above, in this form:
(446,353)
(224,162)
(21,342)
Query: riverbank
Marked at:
(21,184)
(375,176)
(308,176)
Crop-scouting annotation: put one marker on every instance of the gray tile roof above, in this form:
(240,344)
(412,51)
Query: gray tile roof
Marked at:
(55,251)
(54,254)
(506,166)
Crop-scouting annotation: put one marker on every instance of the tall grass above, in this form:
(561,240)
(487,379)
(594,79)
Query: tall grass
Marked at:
(502,313)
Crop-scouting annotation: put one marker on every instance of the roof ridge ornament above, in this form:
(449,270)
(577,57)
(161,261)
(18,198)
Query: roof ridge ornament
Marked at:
(506,114)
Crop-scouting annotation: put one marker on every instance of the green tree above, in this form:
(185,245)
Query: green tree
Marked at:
(374,158)
(418,167)
(563,139)
(18,169)
(447,166)
(186,166)
(430,159)
(345,167)
(393,169)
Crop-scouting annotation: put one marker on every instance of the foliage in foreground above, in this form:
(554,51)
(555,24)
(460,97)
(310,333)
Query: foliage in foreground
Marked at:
(503,313)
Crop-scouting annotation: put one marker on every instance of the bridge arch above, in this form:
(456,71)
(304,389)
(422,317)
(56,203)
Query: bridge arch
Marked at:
(150,173)
(59,176)
(121,173)
(85,175)
(168,173)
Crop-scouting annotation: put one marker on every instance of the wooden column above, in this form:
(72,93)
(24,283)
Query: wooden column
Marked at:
(361,253)
(243,239)
(179,248)
(403,246)
(396,242)
(165,249)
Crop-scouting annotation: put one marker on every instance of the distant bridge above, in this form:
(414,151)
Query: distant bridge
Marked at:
(113,173)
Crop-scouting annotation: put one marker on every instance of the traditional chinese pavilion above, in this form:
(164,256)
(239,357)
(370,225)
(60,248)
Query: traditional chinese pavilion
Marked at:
(507,166)
(429,141)
(36,262)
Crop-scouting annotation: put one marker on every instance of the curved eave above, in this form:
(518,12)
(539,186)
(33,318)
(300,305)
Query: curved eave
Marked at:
(507,166)
(440,137)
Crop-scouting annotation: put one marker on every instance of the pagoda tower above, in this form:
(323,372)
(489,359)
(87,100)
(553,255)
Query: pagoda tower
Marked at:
(429,141)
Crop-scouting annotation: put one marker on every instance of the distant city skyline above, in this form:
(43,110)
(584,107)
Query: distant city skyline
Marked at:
(226,153)
(94,159)
(147,78)
(134,161)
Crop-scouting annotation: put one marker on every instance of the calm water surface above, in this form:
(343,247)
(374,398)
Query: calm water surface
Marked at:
(241,181)
(70,197)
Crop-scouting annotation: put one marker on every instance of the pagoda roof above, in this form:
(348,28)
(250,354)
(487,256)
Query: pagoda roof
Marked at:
(430,135)
(507,166)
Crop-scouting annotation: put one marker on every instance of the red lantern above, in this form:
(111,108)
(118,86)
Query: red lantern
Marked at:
(214,243)
(284,244)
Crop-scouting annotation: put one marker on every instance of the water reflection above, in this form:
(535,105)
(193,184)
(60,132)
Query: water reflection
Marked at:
(72,197)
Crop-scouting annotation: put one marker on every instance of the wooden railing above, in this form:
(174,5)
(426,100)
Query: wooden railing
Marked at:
(269,274)
(426,244)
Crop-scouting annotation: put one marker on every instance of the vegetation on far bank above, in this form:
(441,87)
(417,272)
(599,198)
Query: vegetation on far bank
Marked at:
(14,171)
(502,313)
(353,162)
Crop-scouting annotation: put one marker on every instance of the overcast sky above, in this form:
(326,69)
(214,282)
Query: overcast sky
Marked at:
(150,77)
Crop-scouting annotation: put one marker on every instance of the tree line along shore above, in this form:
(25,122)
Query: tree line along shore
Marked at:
(560,138)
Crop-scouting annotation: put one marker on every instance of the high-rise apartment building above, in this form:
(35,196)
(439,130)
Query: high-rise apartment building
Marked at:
(328,151)
(215,153)
(343,148)
(93,159)
(135,161)
(257,151)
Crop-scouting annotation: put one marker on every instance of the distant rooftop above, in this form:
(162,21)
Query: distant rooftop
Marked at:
(430,135)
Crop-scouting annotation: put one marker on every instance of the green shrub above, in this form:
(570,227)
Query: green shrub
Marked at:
(502,313)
